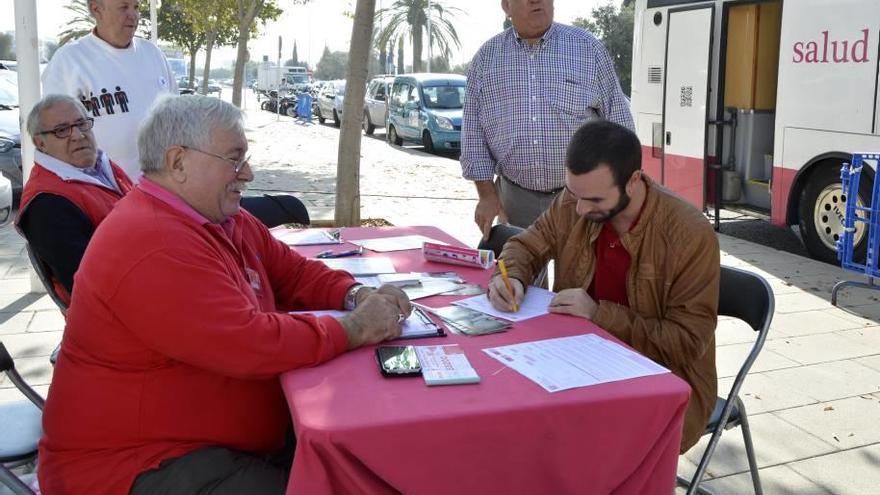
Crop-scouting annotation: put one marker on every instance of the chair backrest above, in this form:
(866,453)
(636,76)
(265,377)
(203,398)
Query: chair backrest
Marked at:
(275,210)
(43,273)
(498,236)
(7,365)
(746,296)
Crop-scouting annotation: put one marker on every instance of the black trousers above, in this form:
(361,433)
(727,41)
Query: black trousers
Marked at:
(218,471)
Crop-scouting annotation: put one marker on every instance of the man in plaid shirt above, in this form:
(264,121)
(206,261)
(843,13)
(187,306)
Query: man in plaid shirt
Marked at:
(528,90)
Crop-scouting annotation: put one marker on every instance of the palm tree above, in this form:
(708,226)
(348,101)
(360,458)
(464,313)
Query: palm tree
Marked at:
(410,17)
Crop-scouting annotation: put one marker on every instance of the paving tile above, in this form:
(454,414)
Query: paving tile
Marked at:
(47,321)
(733,331)
(34,371)
(799,301)
(827,381)
(15,322)
(854,471)
(729,359)
(12,394)
(845,423)
(811,349)
(31,344)
(775,480)
(870,311)
(760,393)
(767,430)
(808,323)
(15,286)
(872,362)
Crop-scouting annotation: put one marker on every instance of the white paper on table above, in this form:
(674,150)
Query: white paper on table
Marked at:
(445,365)
(578,361)
(399,243)
(430,286)
(412,326)
(535,304)
(358,266)
(306,237)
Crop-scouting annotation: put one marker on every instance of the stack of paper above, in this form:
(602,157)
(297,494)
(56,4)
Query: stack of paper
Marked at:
(307,237)
(445,365)
(536,302)
(361,266)
(399,243)
(469,322)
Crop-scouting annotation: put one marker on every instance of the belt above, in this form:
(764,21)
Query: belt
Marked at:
(552,192)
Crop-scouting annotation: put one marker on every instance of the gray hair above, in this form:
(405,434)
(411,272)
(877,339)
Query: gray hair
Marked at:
(183,121)
(45,103)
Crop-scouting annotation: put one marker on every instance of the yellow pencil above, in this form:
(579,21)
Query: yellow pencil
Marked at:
(507,284)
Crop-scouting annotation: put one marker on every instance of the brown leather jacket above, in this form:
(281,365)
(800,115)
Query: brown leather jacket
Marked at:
(672,286)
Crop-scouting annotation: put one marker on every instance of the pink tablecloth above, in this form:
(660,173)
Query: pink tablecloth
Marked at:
(358,432)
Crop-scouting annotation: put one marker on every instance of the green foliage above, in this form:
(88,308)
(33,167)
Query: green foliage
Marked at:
(332,65)
(409,18)
(461,68)
(440,64)
(615,28)
(6,51)
(176,27)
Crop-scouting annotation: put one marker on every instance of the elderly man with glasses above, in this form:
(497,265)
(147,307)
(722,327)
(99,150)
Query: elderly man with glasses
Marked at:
(72,187)
(168,375)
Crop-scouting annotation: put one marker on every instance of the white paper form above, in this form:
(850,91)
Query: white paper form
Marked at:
(571,362)
(399,243)
(360,266)
(306,237)
(412,327)
(535,304)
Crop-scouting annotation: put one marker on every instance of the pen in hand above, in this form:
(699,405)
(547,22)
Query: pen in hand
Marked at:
(504,277)
(340,254)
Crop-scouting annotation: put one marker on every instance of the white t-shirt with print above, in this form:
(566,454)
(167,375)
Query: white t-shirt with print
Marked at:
(117,86)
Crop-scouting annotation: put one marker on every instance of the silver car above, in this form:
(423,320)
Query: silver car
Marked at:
(329,102)
(5,201)
(376,103)
(10,134)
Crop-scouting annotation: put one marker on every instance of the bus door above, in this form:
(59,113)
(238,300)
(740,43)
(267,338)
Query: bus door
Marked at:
(685,98)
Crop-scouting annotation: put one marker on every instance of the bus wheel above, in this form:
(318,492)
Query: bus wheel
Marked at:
(821,212)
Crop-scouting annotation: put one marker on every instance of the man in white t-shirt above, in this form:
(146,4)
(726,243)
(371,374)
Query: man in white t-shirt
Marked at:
(115,75)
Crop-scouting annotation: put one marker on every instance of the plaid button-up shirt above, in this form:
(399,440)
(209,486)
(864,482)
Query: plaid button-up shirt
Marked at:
(524,102)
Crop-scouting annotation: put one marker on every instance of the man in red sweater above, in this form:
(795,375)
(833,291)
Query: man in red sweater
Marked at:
(70,190)
(178,329)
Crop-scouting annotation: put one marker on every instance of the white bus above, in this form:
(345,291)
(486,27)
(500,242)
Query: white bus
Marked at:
(760,101)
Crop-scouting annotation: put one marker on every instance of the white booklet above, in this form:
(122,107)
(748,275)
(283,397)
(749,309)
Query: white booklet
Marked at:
(578,361)
(307,237)
(358,266)
(445,365)
(536,302)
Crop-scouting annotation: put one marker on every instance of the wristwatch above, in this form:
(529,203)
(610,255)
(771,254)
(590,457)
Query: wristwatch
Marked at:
(351,297)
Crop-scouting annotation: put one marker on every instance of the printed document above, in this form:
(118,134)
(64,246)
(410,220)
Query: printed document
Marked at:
(571,362)
(361,266)
(306,237)
(535,304)
(399,243)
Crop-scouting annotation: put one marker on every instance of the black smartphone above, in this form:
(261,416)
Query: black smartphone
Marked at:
(398,360)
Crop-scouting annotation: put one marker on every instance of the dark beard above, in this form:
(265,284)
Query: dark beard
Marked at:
(621,205)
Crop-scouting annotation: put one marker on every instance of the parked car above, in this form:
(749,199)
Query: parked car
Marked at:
(427,108)
(10,135)
(376,103)
(5,201)
(329,102)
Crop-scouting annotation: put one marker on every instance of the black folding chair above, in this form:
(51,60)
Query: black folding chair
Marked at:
(498,237)
(275,210)
(747,297)
(43,273)
(20,428)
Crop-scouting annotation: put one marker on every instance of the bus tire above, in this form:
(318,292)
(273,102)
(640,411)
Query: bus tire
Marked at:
(821,211)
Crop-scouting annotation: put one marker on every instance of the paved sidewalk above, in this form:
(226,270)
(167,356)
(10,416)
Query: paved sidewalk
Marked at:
(813,395)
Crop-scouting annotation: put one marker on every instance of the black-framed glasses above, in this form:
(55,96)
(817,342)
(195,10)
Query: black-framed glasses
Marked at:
(64,131)
(237,165)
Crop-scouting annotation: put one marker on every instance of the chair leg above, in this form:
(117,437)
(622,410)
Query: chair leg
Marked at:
(704,462)
(17,486)
(750,449)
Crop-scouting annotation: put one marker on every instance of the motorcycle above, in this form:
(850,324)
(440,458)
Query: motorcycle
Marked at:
(286,103)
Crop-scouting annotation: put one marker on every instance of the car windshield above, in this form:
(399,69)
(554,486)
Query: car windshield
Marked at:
(8,94)
(443,97)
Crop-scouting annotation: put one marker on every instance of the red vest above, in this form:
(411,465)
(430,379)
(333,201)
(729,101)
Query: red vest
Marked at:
(94,201)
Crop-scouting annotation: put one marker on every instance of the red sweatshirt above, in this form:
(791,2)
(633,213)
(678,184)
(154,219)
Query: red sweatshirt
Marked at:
(174,341)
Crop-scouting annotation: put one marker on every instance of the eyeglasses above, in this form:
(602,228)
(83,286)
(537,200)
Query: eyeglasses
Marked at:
(237,165)
(64,131)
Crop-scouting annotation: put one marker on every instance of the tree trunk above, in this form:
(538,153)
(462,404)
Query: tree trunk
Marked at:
(247,11)
(383,61)
(192,66)
(400,67)
(417,49)
(348,196)
(209,45)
